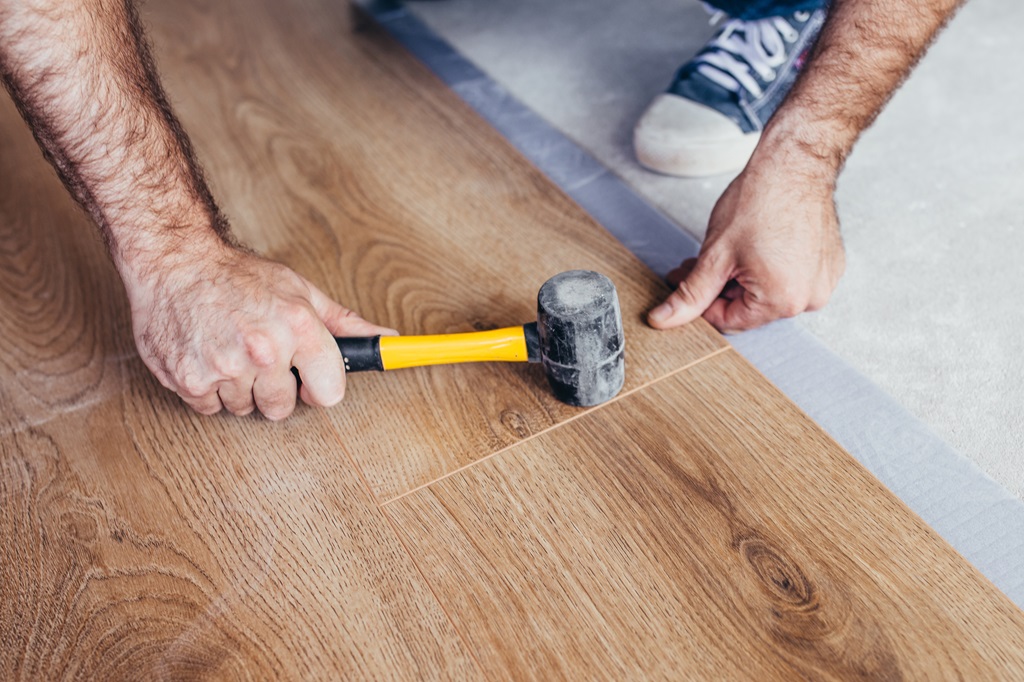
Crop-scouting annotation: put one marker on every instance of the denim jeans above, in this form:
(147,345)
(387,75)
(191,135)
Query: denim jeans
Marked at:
(758,9)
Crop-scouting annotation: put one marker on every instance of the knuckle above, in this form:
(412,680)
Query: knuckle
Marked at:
(228,365)
(787,298)
(277,405)
(292,280)
(241,411)
(713,256)
(237,399)
(300,318)
(260,349)
(193,384)
(276,414)
(164,377)
(684,296)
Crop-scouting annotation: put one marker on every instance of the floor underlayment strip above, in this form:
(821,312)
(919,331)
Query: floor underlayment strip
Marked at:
(980,519)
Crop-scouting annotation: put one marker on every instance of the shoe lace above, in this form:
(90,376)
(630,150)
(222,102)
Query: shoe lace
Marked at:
(742,46)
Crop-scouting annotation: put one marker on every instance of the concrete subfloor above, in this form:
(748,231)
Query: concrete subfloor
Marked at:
(929,200)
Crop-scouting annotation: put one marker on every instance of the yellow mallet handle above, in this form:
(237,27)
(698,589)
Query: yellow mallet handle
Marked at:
(512,344)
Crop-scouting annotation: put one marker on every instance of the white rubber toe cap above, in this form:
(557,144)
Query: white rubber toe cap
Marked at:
(678,136)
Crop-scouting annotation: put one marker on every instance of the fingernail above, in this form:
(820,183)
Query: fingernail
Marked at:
(661,313)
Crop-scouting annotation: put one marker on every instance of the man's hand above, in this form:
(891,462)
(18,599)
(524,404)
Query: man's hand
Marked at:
(226,333)
(773,247)
(216,324)
(772,250)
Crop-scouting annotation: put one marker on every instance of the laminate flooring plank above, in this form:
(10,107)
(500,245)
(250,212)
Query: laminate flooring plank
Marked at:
(340,154)
(140,541)
(701,528)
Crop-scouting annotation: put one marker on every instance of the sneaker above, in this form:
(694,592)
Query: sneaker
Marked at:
(711,117)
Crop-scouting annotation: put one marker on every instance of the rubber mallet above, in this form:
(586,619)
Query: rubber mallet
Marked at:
(577,337)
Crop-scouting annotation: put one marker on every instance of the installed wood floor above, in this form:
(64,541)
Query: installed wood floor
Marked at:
(450,523)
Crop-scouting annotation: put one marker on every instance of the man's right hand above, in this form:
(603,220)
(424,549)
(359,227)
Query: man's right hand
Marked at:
(225,331)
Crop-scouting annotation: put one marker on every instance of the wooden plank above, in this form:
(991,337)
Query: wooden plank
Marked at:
(344,157)
(703,528)
(138,541)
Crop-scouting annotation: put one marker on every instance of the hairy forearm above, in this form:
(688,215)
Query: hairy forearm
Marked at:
(82,76)
(865,51)
(215,323)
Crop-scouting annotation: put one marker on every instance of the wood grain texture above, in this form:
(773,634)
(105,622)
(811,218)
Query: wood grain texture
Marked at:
(701,528)
(345,158)
(140,541)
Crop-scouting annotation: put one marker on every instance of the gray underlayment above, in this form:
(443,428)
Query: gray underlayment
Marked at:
(930,200)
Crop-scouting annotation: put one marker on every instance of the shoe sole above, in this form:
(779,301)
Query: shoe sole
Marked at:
(677,136)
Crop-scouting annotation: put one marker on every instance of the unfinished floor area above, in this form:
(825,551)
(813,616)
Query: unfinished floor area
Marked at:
(929,201)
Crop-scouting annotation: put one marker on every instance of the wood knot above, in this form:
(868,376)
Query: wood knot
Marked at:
(516,423)
(79,526)
(815,623)
(778,574)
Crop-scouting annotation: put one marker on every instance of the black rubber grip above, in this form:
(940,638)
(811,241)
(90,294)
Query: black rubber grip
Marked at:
(361,354)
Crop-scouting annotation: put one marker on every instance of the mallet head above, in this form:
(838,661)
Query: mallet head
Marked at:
(582,345)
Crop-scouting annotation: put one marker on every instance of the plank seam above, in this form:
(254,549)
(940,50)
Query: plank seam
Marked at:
(571,419)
